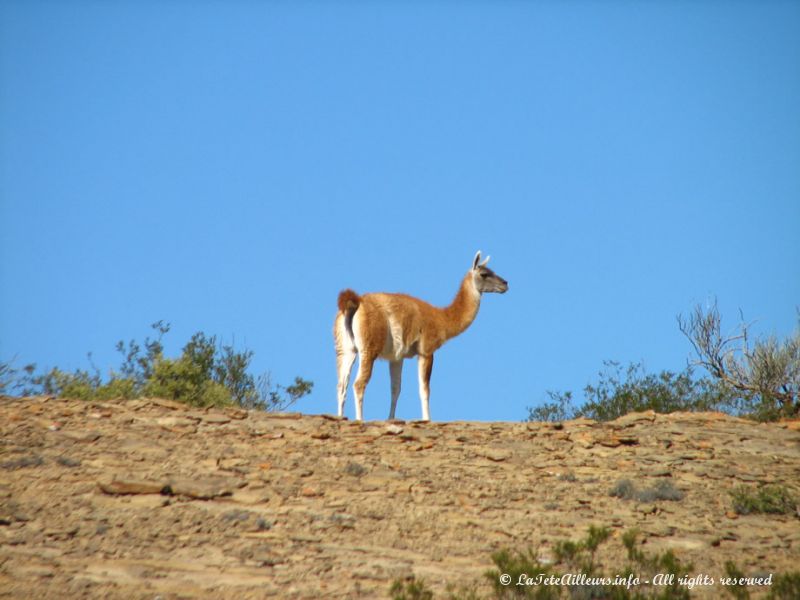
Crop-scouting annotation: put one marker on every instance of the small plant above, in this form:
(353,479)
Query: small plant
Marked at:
(769,499)
(558,408)
(738,592)
(410,589)
(355,469)
(786,586)
(582,553)
(518,564)
(647,567)
(624,489)
(663,490)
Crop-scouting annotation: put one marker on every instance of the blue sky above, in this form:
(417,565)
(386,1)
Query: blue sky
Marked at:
(230,166)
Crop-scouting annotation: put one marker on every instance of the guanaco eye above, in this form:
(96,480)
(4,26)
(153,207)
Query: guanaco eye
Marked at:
(484,275)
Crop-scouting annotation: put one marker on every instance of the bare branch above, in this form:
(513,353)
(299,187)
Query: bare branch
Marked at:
(768,367)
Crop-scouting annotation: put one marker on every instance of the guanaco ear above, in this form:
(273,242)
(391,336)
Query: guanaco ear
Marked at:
(486,260)
(476,260)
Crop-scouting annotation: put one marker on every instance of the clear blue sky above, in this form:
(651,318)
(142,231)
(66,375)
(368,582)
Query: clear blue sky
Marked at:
(230,166)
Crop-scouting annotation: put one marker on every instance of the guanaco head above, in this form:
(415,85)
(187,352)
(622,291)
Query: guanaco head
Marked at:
(485,279)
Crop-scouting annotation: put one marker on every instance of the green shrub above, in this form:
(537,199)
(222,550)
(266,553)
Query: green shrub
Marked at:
(515,564)
(768,499)
(558,408)
(619,392)
(757,378)
(662,490)
(786,586)
(410,589)
(205,374)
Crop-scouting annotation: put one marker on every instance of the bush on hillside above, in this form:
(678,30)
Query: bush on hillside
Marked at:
(206,373)
(765,372)
(619,392)
(754,378)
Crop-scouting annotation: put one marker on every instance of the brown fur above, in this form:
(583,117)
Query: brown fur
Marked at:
(348,300)
(422,325)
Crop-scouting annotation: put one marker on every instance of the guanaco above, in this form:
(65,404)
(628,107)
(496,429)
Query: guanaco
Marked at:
(397,326)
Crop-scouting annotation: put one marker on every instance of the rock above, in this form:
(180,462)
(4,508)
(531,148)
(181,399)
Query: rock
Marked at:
(663,531)
(250,497)
(659,472)
(233,463)
(584,439)
(133,485)
(328,417)
(165,403)
(634,418)
(615,440)
(204,488)
(284,415)
(393,429)
(216,419)
(494,455)
(22,462)
(80,436)
(343,521)
(104,414)
(171,423)
(685,544)
(236,413)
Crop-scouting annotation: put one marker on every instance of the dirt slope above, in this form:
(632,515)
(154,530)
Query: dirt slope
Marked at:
(151,499)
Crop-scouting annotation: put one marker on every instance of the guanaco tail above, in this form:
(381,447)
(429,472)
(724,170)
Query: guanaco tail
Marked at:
(396,326)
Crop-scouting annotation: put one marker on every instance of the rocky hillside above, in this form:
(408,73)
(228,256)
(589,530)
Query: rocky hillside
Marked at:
(153,499)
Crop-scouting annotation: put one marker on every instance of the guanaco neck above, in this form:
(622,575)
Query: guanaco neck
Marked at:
(464,308)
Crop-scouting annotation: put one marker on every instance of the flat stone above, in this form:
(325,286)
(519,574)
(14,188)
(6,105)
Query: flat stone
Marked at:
(132,485)
(237,414)
(172,422)
(614,440)
(232,463)
(494,455)
(22,462)
(250,497)
(634,418)
(216,419)
(204,488)
(166,403)
(284,415)
(80,436)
